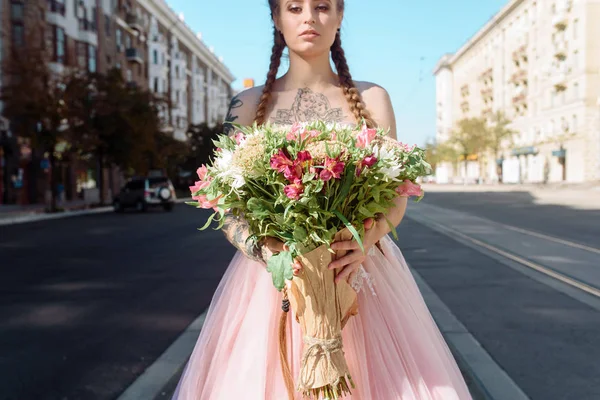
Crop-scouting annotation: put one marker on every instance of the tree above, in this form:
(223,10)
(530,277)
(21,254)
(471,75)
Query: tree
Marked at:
(498,133)
(470,138)
(33,96)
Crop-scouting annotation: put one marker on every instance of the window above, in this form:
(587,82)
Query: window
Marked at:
(575,28)
(575,60)
(127,41)
(155,85)
(107,25)
(18,35)
(60,46)
(17,11)
(155,57)
(575,91)
(177,72)
(118,39)
(574,124)
(129,75)
(94,19)
(82,56)
(91,58)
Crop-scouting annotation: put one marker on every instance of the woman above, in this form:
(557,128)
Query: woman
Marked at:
(393,347)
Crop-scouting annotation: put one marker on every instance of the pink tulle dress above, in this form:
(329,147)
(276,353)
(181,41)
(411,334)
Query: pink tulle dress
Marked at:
(393,346)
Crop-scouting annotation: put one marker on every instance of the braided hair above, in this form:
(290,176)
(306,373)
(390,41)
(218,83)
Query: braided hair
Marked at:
(338,56)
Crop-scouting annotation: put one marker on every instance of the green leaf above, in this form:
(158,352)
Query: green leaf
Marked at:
(192,203)
(280,267)
(300,233)
(392,227)
(207,224)
(346,183)
(350,228)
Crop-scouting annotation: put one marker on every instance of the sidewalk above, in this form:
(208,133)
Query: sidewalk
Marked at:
(17,214)
(584,196)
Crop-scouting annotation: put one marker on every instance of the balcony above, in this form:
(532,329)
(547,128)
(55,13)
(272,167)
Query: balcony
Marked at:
(487,112)
(560,81)
(560,21)
(520,98)
(560,50)
(464,106)
(487,76)
(519,77)
(464,90)
(134,22)
(487,92)
(134,55)
(520,54)
(56,7)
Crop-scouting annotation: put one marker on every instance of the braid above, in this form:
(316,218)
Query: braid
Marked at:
(278,47)
(350,91)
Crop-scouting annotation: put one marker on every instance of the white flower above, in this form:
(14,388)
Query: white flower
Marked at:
(387,157)
(224,160)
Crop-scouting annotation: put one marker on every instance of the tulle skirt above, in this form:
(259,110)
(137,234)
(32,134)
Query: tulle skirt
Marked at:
(393,346)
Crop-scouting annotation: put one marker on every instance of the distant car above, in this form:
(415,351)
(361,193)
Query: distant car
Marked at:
(142,193)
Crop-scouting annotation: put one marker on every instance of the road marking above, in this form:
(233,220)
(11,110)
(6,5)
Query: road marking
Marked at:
(537,267)
(150,383)
(550,238)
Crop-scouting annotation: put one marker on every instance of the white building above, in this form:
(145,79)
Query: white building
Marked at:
(539,62)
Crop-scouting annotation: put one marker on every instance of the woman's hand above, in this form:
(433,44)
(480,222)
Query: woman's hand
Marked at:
(355,257)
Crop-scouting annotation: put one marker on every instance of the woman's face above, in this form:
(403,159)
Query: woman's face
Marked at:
(308,26)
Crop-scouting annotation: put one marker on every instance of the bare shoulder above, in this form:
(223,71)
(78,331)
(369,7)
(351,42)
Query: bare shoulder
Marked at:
(242,108)
(379,104)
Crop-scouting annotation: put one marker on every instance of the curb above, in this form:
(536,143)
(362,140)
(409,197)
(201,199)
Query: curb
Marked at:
(490,381)
(151,383)
(33,217)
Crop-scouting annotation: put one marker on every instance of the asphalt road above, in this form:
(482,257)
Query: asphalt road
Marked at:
(87,303)
(519,209)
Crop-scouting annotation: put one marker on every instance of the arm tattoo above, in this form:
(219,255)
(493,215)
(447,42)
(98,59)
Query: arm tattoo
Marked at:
(235,103)
(237,231)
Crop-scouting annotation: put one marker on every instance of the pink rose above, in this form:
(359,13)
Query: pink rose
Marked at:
(365,137)
(294,190)
(293,172)
(203,202)
(408,188)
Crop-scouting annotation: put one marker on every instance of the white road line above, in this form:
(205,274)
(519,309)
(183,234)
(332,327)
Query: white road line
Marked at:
(546,271)
(550,238)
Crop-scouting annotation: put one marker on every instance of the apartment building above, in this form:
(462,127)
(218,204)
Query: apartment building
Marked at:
(148,41)
(538,61)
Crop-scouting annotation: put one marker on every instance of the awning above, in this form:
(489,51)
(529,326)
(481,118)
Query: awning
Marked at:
(523,151)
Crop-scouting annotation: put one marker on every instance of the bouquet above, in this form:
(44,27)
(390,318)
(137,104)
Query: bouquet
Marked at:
(309,185)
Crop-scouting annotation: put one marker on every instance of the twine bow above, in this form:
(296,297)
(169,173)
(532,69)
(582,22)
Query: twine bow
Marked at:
(316,349)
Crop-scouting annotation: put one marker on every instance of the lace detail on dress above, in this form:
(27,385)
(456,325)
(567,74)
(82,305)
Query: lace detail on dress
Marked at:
(362,277)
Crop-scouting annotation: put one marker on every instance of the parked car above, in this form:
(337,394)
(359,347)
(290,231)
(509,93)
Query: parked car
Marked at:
(142,193)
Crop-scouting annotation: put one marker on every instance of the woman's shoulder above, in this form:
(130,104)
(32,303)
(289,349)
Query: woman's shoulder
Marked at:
(371,91)
(243,105)
(378,102)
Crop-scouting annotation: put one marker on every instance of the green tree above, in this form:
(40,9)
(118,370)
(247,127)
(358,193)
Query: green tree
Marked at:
(498,134)
(470,138)
(33,96)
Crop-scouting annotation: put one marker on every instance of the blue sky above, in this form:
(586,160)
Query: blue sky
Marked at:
(394,43)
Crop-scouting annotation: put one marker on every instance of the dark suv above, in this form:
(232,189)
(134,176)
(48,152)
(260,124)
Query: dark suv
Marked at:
(141,193)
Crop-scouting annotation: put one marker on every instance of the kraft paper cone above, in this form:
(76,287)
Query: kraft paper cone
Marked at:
(322,308)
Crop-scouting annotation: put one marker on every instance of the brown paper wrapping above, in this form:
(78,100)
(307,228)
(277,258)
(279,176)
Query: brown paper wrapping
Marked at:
(322,308)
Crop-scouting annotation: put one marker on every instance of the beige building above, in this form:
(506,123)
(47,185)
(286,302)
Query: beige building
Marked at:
(539,62)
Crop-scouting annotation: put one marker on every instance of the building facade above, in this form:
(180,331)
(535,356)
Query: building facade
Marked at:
(145,39)
(538,61)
